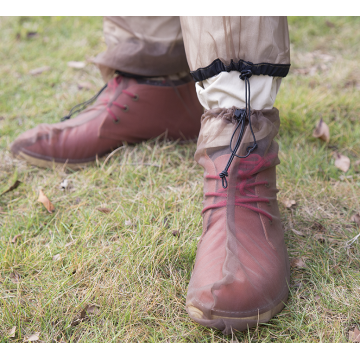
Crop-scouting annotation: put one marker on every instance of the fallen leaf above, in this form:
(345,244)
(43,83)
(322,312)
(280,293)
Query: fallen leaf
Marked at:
(103,210)
(12,332)
(128,223)
(176,233)
(32,337)
(166,222)
(15,277)
(356,218)
(13,240)
(342,162)
(76,64)
(322,131)
(31,34)
(337,269)
(56,257)
(12,187)
(93,309)
(298,262)
(39,70)
(318,226)
(297,232)
(64,184)
(289,203)
(354,336)
(46,202)
(85,85)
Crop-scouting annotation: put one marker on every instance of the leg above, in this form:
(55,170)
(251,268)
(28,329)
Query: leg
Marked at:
(151,94)
(241,271)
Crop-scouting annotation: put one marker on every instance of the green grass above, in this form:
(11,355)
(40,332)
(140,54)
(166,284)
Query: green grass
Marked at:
(138,274)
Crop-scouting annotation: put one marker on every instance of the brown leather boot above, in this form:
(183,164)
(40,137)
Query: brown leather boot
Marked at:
(241,272)
(128,110)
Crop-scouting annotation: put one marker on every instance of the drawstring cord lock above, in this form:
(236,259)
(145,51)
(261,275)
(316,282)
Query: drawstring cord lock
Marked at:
(240,115)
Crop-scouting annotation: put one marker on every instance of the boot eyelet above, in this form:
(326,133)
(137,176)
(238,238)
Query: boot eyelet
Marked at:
(135,97)
(116,121)
(126,108)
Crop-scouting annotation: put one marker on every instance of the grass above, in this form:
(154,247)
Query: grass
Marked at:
(135,262)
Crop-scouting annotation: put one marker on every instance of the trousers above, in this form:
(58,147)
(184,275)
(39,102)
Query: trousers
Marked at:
(213,49)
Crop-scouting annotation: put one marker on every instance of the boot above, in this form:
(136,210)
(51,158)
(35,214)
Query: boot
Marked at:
(127,110)
(241,272)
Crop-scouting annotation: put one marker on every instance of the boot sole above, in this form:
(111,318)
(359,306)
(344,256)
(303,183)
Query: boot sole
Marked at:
(235,323)
(50,164)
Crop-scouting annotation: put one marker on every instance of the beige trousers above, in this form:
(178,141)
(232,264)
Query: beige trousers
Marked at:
(214,49)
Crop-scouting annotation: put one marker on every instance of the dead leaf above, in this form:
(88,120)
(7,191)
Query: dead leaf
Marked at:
(342,162)
(166,222)
(128,223)
(318,226)
(337,269)
(298,262)
(56,257)
(46,202)
(12,187)
(85,85)
(64,184)
(297,232)
(354,336)
(289,203)
(12,332)
(15,277)
(93,309)
(104,210)
(176,233)
(39,70)
(32,337)
(76,64)
(13,240)
(356,218)
(31,34)
(322,131)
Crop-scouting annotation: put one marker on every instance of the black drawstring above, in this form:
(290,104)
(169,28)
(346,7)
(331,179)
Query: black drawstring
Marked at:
(80,107)
(240,115)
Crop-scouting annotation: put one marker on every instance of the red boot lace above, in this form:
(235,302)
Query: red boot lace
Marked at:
(114,83)
(245,188)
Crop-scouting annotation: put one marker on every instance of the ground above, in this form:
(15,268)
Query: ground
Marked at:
(83,275)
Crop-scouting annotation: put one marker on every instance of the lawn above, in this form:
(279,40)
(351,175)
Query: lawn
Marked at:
(80,274)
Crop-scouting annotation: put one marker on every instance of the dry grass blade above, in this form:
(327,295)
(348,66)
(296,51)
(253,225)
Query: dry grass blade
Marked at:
(15,277)
(46,202)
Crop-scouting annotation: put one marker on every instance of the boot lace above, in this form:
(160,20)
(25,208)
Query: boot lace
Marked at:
(111,84)
(246,186)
